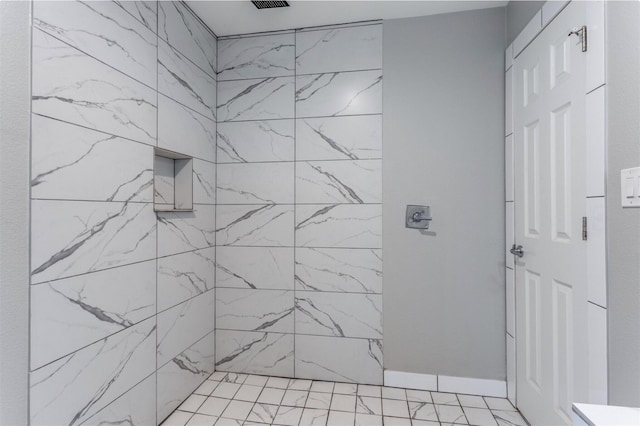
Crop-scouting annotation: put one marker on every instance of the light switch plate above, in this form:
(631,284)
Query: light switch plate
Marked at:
(630,187)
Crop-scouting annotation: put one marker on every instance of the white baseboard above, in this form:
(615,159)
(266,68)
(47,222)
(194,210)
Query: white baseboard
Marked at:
(432,382)
(401,379)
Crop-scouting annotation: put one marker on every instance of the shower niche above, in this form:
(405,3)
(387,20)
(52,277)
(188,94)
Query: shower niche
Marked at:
(172,181)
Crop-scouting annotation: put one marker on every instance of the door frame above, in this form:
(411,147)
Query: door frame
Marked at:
(595,91)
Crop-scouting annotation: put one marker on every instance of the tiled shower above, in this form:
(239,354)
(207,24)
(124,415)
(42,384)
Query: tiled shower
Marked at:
(277,270)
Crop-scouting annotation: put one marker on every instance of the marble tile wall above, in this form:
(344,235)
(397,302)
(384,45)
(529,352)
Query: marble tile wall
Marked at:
(122,298)
(298,225)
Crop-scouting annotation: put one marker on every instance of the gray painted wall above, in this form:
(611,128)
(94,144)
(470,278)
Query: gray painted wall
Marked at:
(623,225)
(519,13)
(444,290)
(15,107)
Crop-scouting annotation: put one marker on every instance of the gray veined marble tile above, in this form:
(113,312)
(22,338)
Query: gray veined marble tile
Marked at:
(254,267)
(74,237)
(339,138)
(339,93)
(183,276)
(363,365)
(252,141)
(345,181)
(183,374)
(144,11)
(186,231)
(62,152)
(255,183)
(72,389)
(256,57)
(256,353)
(183,325)
(254,310)
(339,49)
(136,407)
(204,182)
(339,270)
(339,314)
(182,130)
(71,86)
(258,99)
(255,225)
(103,30)
(344,225)
(178,26)
(69,314)
(182,81)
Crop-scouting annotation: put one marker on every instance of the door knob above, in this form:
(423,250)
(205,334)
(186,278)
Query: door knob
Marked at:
(518,251)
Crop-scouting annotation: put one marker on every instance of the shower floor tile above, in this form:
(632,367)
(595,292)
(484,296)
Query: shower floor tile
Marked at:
(240,399)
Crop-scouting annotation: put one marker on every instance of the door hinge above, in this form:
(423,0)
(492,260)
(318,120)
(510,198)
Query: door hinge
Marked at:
(582,33)
(584,228)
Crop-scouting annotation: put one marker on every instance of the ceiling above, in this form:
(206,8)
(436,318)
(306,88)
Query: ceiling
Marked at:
(242,17)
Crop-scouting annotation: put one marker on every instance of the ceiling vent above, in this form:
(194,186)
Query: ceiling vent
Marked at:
(270,4)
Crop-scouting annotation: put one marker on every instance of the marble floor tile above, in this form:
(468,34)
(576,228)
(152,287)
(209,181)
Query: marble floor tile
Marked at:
(368,420)
(479,416)
(238,410)
(370,390)
(213,406)
(340,418)
(271,396)
(395,408)
(294,398)
(418,396)
(264,413)
(451,414)
(394,393)
(318,400)
(248,393)
(192,403)
(369,405)
(499,404)
(422,411)
(343,403)
(472,401)
(314,417)
(319,386)
(444,398)
(288,416)
(201,420)
(508,418)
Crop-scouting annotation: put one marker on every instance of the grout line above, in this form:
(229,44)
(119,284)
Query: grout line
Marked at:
(301,118)
(156,216)
(353,24)
(239,163)
(295,175)
(295,75)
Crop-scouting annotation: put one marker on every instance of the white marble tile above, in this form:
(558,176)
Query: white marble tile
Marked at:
(73,237)
(473,401)
(368,420)
(182,325)
(479,416)
(257,99)
(339,49)
(61,152)
(255,267)
(339,93)
(256,380)
(184,131)
(295,398)
(257,353)
(71,86)
(345,182)
(321,386)
(314,417)
(103,30)
(213,406)
(163,182)
(451,414)
(271,395)
(339,138)
(346,388)
(263,413)
(144,11)
(202,420)
(74,388)
(248,393)
(238,410)
(369,405)
(394,393)
(255,183)
(509,418)
(183,276)
(226,390)
(254,310)
(69,314)
(395,408)
(363,365)
(256,56)
(340,418)
(422,411)
(398,421)
(177,418)
(444,398)
(339,314)
(251,141)
(178,25)
(185,231)
(204,182)
(136,407)
(418,396)
(343,403)
(182,81)
(499,404)
(269,226)
(192,403)
(318,400)
(356,226)
(370,391)
(288,416)
(339,270)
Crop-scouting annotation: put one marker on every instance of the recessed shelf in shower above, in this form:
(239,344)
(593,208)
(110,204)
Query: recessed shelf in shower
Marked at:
(172,181)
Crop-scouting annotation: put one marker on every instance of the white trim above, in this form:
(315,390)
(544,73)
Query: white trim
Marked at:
(468,385)
(528,33)
(432,382)
(401,379)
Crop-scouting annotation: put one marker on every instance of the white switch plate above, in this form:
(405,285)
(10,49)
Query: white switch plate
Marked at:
(630,187)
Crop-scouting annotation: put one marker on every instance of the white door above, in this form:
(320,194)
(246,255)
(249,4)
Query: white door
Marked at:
(550,157)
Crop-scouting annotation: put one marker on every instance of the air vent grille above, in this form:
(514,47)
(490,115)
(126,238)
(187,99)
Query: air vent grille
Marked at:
(269,4)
